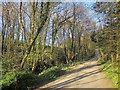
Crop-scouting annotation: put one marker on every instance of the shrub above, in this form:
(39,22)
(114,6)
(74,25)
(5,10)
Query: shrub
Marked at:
(19,80)
(50,73)
(59,56)
(22,80)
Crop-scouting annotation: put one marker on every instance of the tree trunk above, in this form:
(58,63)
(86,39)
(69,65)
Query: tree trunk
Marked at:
(43,21)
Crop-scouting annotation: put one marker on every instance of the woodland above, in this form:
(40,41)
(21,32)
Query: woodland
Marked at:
(40,38)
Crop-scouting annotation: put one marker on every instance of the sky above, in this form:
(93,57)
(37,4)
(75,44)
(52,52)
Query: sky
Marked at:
(93,14)
(86,4)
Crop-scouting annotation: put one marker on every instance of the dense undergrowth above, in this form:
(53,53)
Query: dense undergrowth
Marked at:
(22,80)
(18,80)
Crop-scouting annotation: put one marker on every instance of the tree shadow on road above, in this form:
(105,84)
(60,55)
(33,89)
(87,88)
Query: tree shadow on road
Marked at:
(75,71)
(82,68)
(62,84)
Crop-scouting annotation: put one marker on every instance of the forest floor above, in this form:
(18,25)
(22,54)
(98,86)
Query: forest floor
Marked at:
(86,75)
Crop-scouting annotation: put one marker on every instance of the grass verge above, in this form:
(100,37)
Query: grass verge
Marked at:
(112,72)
